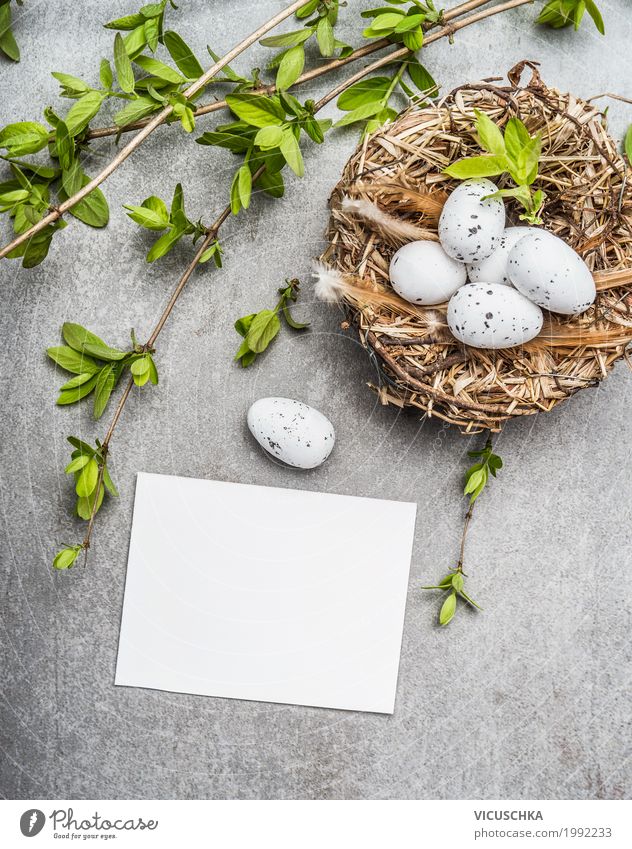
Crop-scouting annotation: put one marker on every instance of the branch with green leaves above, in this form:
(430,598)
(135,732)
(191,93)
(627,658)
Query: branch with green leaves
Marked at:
(514,152)
(476,479)
(566,13)
(259,329)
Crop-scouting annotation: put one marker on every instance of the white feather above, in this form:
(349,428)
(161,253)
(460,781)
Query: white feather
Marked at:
(330,283)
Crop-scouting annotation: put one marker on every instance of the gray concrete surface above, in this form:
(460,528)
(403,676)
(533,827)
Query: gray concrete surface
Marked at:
(530,699)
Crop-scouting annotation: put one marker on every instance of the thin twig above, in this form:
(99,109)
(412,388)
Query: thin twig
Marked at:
(466,525)
(146,131)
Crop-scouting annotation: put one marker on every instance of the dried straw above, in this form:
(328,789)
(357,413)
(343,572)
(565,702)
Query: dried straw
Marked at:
(393,189)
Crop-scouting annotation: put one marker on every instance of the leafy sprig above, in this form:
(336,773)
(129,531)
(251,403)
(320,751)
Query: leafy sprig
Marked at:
(515,152)
(153,214)
(290,61)
(260,329)
(8,44)
(565,13)
(266,133)
(476,479)
(97,367)
(402,25)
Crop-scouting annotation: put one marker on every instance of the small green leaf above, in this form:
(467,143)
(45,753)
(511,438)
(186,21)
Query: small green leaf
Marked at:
(82,112)
(106,381)
(269,137)
(23,138)
(135,110)
(373,90)
(159,69)
(123,65)
(292,153)
(448,609)
(182,55)
(77,464)
(325,37)
(85,505)
(290,67)
(242,325)
(628,145)
(360,113)
(149,215)
(256,109)
(71,396)
(72,361)
(105,74)
(164,244)
(477,166)
(489,134)
(457,581)
(263,328)
(286,39)
(109,483)
(65,558)
(87,479)
(83,341)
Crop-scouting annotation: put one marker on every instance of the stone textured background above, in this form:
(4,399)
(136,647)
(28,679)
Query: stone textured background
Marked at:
(530,699)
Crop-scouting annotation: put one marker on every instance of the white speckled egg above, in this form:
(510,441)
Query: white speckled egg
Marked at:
(493,269)
(470,228)
(549,272)
(423,273)
(291,431)
(491,315)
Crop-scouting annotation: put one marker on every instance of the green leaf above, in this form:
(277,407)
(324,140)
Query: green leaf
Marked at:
(71,396)
(140,366)
(256,109)
(244,182)
(128,22)
(65,145)
(77,464)
(106,381)
(292,153)
(123,65)
(291,322)
(489,134)
(135,110)
(159,69)
(83,111)
(153,371)
(152,214)
(387,20)
(308,9)
(71,86)
(264,327)
(242,325)
(87,478)
(595,14)
(291,67)
(360,113)
(164,244)
(72,361)
(23,138)
(627,144)
(516,137)
(414,39)
(85,505)
(109,483)
(409,22)
(269,137)
(65,558)
(477,166)
(325,37)
(457,581)
(72,176)
(469,600)
(93,210)
(287,39)
(8,44)
(77,380)
(366,91)
(79,445)
(105,74)
(448,609)
(182,55)
(421,78)
(83,341)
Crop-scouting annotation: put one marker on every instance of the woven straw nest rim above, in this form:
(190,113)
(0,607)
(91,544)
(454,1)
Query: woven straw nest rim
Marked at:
(392,191)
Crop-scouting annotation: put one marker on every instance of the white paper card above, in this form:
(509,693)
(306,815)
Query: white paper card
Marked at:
(275,595)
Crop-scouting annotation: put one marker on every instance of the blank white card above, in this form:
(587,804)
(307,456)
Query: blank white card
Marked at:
(275,595)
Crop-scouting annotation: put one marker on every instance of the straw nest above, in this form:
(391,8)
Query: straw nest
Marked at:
(392,191)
